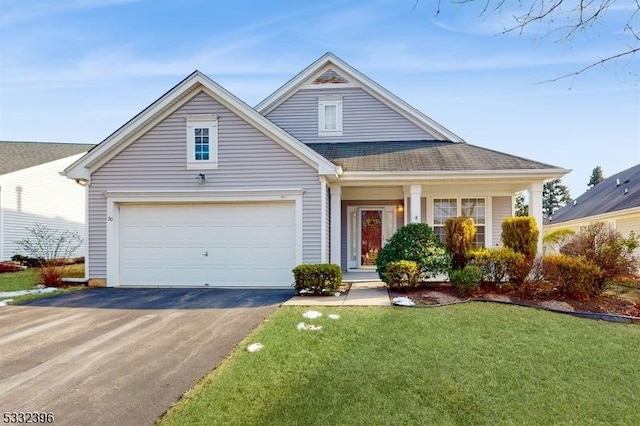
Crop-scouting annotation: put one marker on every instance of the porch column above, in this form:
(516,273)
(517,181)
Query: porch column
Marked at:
(535,209)
(336,225)
(415,192)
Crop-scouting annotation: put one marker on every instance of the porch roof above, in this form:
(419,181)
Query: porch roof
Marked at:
(423,155)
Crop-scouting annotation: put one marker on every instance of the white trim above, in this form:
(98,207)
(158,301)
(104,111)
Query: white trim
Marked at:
(415,192)
(460,175)
(204,121)
(488,230)
(328,60)
(336,225)
(117,198)
(171,101)
(1,228)
(86,232)
(323,221)
(488,221)
(323,103)
(389,214)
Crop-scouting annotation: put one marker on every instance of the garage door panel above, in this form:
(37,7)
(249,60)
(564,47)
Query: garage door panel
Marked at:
(249,244)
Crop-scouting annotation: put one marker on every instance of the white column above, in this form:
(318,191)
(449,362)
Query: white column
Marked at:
(405,204)
(416,192)
(535,209)
(324,249)
(336,224)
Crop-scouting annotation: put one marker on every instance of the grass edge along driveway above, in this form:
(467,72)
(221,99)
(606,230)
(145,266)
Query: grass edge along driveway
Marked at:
(475,363)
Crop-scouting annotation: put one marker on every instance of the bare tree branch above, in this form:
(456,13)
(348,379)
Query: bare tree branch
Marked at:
(567,18)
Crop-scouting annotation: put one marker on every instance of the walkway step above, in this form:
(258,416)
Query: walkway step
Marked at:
(370,293)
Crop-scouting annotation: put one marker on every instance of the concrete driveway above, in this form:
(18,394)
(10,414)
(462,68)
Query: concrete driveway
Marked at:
(120,356)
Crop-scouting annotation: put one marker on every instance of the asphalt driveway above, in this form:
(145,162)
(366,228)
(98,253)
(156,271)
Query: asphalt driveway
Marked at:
(120,356)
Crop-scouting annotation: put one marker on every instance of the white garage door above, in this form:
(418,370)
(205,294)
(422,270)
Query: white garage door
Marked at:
(216,245)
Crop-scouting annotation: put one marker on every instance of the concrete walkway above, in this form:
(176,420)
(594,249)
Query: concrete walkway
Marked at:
(372,293)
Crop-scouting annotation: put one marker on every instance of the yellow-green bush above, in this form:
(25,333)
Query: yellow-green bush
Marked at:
(402,274)
(496,263)
(521,235)
(458,239)
(574,276)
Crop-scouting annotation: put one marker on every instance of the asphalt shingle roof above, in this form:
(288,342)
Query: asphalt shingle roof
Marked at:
(605,197)
(16,156)
(420,156)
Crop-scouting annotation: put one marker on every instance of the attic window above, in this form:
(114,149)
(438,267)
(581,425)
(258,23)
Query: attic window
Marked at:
(330,116)
(202,141)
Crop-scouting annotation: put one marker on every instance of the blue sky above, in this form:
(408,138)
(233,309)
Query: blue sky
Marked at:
(76,70)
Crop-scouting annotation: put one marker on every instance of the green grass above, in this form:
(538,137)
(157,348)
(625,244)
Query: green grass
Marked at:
(28,279)
(470,364)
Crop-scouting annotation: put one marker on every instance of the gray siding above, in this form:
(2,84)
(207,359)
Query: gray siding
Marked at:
(343,215)
(247,160)
(365,119)
(501,209)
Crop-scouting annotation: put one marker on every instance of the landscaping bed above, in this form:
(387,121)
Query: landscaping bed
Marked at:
(543,297)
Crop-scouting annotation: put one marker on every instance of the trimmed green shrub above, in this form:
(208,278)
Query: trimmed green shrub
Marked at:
(607,249)
(321,278)
(403,274)
(416,242)
(458,239)
(465,280)
(520,234)
(573,276)
(496,263)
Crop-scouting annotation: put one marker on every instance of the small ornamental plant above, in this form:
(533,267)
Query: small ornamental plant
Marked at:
(321,278)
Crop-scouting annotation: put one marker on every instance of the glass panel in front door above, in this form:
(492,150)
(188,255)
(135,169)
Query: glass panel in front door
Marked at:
(370,236)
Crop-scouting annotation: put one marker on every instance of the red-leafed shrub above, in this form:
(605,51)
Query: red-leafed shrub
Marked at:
(573,276)
(10,267)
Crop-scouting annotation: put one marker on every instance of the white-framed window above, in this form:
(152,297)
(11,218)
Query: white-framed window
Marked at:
(330,116)
(202,141)
(445,208)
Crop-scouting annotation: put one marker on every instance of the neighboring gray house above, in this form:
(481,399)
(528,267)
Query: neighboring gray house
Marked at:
(33,191)
(615,201)
(200,189)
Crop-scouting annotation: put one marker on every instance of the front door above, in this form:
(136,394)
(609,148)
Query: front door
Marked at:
(370,236)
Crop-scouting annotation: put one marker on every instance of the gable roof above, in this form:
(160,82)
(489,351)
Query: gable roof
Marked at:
(16,156)
(618,192)
(428,155)
(329,61)
(193,84)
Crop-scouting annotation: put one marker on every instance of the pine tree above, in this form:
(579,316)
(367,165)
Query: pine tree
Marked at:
(597,176)
(554,195)
(522,209)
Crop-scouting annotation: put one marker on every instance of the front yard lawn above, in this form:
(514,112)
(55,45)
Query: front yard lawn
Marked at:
(475,363)
(28,279)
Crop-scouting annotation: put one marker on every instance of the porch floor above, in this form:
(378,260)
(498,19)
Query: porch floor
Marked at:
(360,277)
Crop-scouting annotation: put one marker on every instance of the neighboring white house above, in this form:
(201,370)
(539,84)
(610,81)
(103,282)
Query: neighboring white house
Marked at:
(33,191)
(200,189)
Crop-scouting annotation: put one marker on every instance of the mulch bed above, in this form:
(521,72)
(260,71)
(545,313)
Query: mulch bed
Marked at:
(444,294)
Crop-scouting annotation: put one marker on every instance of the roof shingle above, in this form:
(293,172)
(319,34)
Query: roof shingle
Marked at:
(427,155)
(16,156)
(605,197)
